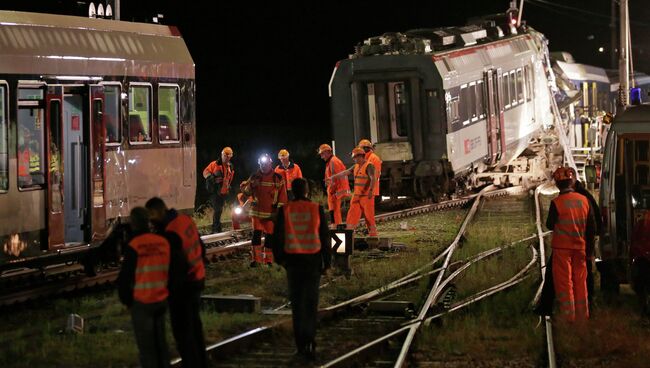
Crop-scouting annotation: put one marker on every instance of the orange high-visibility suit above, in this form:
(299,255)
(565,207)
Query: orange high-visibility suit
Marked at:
(361,204)
(376,162)
(289,174)
(269,192)
(570,218)
(337,190)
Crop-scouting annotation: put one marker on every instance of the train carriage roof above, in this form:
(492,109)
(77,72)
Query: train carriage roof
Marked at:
(582,72)
(45,44)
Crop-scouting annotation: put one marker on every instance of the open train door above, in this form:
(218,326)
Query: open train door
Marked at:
(54,154)
(97,172)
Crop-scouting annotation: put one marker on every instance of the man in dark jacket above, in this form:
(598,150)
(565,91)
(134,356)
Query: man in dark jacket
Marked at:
(184,302)
(149,271)
(301,245)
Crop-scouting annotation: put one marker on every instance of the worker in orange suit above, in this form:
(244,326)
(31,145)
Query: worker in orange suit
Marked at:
(288,169)
(269,192)
(572,221)
(218,178)
(363,198)
(338,190)
(371,156)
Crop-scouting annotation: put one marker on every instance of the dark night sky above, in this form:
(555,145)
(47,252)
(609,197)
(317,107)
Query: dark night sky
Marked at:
(262,71)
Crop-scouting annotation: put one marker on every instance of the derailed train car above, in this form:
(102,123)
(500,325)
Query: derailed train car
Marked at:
(442,104)
(96,116)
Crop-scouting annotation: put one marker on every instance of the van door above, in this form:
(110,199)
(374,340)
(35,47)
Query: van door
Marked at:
(97,172)
(54,154)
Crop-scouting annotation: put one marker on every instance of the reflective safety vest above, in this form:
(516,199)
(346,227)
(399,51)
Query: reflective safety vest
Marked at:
(573,212)
(268,194)
(290,173)
(34,163)
(152,270)
(339,187)
(184,227)
(361,179)
(301,223)
(376,162)
(223,173)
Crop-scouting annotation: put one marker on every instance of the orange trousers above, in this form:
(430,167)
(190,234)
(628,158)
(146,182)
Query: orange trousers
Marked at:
(261,253)
(334,206)
(570,282)
(362,205)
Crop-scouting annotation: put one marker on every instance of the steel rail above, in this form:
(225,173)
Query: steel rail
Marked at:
(550,346)
(514,280)
(435,290)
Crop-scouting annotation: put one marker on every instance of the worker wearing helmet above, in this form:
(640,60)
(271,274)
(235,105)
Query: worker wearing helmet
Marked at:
(218,178)
(572,221)
(288,170)
(371,156)
(338,190)
(268,192)
(363,198)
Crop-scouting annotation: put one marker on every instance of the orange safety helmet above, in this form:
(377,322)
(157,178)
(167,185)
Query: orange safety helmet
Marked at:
(227,151)
(324,147)
(283,153)
(564,173)
(365,143)
(358,151)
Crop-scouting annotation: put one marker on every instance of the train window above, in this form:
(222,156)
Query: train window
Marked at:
(139,114)
(55,136)
(30,130)
(506,91)
(112,114)
(480,108)
(463,103)
(4,150)
(513,88)
(168,126)
(528,80)
(520,86)
(471,103)
(400,113)
(452,110)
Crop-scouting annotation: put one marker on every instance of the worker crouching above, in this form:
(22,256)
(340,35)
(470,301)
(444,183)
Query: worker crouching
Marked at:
(268,192)
(300,245)
(572,221)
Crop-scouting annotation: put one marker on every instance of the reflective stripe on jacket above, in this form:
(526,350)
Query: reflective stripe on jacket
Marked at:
(185,228)
(571,225)
(152,269)
(268,194)
(290,173)
(376,162)
(339,187)
(361,179)
(301,223)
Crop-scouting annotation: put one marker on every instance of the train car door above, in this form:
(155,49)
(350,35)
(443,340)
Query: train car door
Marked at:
(75,166)
(54,154)
(492,116)
(97,172)
(189,161)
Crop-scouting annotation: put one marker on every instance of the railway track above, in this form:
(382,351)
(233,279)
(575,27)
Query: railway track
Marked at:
(30,284)
(351,333)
